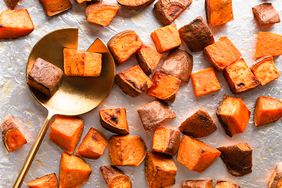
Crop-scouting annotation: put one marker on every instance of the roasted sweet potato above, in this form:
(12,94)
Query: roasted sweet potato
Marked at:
(54,7)
(114,177)
(133,81)
(222,53)
(197,184)
(114,120)
(233,114)
(265,14)
(148,59)
(200,124)
(205,82)
(135,4)
(196,155)
(237,158)
(127,150)
(267,110)
(166,38)
(166,141)
(226,184)
(15,24)
(124,44)
(265,70)
(74,171)
(275,181)
(164,87)
(154,114)
(166,11)
(178,63)
(268,44)
(11,3)
(47,181)
(66,132)
(196,35)
(160,171)
(240,77)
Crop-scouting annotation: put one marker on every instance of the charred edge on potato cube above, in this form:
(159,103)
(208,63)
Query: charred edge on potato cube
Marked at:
(114,177)
(47,181)
(54,7)
(11,3)
(265,14)
(276,177)
(197,184)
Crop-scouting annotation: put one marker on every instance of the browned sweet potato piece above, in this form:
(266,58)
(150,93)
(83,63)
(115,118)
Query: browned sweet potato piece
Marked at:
(47,181)
(127,150)
(197,184)
(237,158)
(133,81)
(268,44)
(226,184)
(135,4)
(124,44)
(166,11)
(197,35)
(265,14)
(200,124)
(54,7)
(275,181)
(114,120)
(166,141)
(179,64)
(12,3)
(114,177)
(160,171)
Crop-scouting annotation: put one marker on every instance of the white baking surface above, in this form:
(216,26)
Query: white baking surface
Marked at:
(16,99)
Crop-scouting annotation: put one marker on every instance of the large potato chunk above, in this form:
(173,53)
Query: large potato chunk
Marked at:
(265,14)
(47,181)
(114,177)
(226,184)
(54,7)
(275,180)
(197,184)
(268,44)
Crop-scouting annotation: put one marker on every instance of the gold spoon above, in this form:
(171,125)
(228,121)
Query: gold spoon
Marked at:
(76,95)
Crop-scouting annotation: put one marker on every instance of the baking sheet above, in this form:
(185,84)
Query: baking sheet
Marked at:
(16,99)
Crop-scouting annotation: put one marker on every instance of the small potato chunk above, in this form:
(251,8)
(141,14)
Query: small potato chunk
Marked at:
(74,171)
(226,184)
(15,24)
(268,44)
(266,14)
(222,53)
(205,82)
(267,110)
(93,145)
(114,120)
(166,11)
(47,181)
(196,35)
(66,132)
(45,77)
(114,177)
(237,158)
(135,4)
(179,64)
(265,70)
(166,38)
(196,155)
(127,150)
(160,171)
(154,114)
(233,115)
(148,59)
(11,3)
(55,7)
(275,180)
(133,81)
(240,77)
(164,87)
(166,141)
(200,124)
(124,44)
(197,184)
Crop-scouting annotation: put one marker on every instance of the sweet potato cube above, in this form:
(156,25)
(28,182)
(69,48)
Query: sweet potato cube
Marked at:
(233,115)
(267,110)
(114,177)
(133,81)
(93,145)
(200,124)
(129,150)
(226,184)
(11,3)
(166,38)
(154,114)
(47,181)
(124,44)
(66,132)
(197,184)
(222,53)
(196,155)
(240,77)
(205,82)
(218,12)
(135,4)
(268,44)
(265,70)
(114,120)
(166,141)
(275,181)
(54,7)
(15,24)
(74,171)
(160,171)
(164,87)
(265,14)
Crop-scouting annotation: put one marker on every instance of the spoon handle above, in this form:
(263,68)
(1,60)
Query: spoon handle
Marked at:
(33,152)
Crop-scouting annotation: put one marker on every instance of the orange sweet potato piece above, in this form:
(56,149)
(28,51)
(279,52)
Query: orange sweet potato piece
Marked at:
(15,23)
(275,180)
(266,14)
(268,44)
(114,177)
(135,4)
(197,184)
(196,155)
(47,181)
(226,184)
(11,3)
(54,7)
(267,110)
(66,132)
